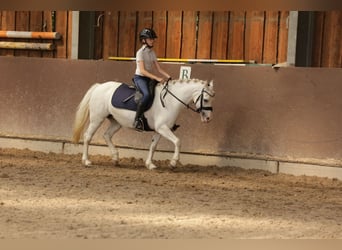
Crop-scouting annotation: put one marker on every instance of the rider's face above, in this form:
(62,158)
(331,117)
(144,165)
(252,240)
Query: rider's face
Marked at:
(149,41)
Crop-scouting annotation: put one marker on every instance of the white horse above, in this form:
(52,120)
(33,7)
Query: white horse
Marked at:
(169,99)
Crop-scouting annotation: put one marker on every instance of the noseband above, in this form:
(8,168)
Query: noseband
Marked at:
(199,98)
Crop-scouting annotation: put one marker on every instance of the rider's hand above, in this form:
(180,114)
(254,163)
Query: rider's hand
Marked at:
(159,79)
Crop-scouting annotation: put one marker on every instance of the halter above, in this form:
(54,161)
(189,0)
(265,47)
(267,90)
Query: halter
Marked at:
(200,97)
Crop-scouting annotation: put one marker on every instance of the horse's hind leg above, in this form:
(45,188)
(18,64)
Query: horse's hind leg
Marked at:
(155,139)
(111,130)
(88,135)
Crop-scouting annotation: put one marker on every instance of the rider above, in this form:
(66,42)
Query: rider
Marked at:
(146,61)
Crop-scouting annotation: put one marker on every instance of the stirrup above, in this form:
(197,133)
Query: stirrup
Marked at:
(138,125)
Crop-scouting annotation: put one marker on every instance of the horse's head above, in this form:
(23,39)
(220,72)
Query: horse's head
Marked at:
(204,100)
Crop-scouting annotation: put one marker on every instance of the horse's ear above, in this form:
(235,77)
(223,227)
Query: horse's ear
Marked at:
(211,84)
(211,87)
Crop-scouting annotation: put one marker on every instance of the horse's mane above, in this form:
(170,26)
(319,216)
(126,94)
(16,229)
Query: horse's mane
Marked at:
(188,81)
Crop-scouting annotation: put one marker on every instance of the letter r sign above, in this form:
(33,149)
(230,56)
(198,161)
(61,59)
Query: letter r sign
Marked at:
(185,72)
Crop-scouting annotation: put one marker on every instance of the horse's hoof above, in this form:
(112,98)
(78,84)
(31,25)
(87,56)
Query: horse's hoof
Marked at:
(173,163)
(151,166)
(86,163)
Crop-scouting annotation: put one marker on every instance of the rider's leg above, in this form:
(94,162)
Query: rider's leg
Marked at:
(138,123)
(142,84)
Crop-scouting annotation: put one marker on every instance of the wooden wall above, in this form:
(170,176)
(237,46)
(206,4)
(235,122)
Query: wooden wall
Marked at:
(327,44)
(248,35)
(51,21)
(253,35)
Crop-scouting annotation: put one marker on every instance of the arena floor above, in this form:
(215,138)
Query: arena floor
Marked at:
(52,196)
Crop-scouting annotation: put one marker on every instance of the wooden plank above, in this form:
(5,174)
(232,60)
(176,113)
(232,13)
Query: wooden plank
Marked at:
(47,27)
(236,35)
(219,46)
(69,35)
(159,25)
(22,20)
(174,34)
(98,33)
(127,32)
(254,38)
(8,20)
(62,28)
(22,24)
(188,49)
(110,34)
(7,23)
(340,55)
(332,39)
(36,25)
(26,46)
(283,37)
(271,37)
(205,19)
(318,39)
(145,20)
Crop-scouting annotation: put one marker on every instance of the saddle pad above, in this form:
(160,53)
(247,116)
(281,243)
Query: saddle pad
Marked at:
(120,95)
(123,98)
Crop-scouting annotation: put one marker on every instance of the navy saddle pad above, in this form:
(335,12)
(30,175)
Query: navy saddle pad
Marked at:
(123,97)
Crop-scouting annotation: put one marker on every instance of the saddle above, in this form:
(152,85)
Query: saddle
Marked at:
(127,97)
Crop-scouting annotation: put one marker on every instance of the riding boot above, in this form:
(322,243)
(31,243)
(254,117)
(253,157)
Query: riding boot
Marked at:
(138,121)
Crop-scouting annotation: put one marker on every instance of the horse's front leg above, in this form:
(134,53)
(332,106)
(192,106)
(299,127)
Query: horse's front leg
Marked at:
(167,133)
(155,139)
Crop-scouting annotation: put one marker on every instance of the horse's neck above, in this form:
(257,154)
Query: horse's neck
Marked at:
(185,91)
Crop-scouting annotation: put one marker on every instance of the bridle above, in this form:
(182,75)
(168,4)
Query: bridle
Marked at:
(199,98)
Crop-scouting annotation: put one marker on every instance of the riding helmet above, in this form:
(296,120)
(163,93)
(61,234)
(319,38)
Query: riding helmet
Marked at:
(147,33)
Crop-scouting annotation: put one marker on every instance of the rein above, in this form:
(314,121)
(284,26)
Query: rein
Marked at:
(200,97)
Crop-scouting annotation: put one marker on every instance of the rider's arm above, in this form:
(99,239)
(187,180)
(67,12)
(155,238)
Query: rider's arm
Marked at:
(160,70)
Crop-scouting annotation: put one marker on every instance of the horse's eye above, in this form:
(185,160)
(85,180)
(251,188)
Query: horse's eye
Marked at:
(205,100)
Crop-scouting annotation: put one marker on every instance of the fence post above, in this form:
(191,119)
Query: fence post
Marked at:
(292,37)
(75,34)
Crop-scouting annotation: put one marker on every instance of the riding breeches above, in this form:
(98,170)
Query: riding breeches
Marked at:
(141,83)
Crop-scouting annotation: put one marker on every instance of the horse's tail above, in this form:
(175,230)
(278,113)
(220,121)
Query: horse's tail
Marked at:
(82,115)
